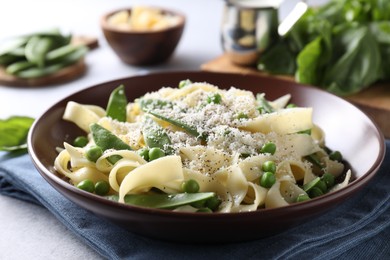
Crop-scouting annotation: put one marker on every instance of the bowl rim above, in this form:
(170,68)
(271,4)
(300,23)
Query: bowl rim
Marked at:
(106,26)
(351,188)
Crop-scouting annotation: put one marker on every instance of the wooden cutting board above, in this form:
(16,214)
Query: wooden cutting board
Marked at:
(374,101)
(66,74)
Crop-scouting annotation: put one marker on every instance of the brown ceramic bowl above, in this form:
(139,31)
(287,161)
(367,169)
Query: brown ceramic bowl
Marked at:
(147,47)
(347,129)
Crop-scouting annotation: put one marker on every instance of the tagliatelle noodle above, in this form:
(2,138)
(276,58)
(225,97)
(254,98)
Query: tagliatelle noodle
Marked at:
(76,175)
(286,121)
(82,115)
(144,177)
(274,198)
(228,162)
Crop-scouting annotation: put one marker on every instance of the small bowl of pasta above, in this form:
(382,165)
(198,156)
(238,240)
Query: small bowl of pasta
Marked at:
(225,153)
(143,35)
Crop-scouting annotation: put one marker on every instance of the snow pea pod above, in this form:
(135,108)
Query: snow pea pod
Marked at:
(187,128)
(12,44)
(36,49)
(151,105)
(313,158)
(60,53)
(116,107)
(264,107)
(164,201)
(18,52)
(155,136)
(8,58)
(15,67)
(36,72)
(105,139)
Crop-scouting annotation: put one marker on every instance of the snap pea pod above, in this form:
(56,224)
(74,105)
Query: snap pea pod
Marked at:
(150,106)
(105,139)
(155,136)
(264,105)
(313,158)
(15,67)
(9,58)
(12,51)
(116,107)
(164,201)
(60,53)
(36,49)
(36,72)
(12,44)
(18,52)
(319,185)
(57,38)
(189,129)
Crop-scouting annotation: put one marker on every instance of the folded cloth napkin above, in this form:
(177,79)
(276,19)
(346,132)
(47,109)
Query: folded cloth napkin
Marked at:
(356,229)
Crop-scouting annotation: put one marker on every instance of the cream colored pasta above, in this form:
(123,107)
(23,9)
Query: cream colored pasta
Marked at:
(218,143)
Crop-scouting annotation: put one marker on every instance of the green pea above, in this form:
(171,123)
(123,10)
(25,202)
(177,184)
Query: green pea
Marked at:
(215,99)
(199,204)
(336,156)
(190,186)
(204,210)
(328,179)
(213,203)
(86,185)
(302,197)
(267,180)
(80,141)
(184,83)
(155,153)
(315,192)
(322,186)
(269,147)
(144,153)
(242,115)
(102,188)
(291,105)
(94,153)
(269,166)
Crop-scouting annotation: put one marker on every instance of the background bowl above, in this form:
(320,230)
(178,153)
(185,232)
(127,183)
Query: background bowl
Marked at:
(143,47)
(347,129)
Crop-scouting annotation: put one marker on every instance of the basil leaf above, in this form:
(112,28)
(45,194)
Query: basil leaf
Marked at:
(13,133)
(342,46)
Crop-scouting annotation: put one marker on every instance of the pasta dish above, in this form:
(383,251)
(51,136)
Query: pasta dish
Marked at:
(198,148)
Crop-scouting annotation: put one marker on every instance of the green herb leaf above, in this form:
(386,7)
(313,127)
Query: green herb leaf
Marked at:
(13,133)
(342,46)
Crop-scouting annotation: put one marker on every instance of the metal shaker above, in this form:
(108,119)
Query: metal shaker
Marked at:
(249,27)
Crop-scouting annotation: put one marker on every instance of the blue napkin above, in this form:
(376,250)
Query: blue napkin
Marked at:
(357,229)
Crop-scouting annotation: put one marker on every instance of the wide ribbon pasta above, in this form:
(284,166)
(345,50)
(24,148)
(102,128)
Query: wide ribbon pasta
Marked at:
(213,136)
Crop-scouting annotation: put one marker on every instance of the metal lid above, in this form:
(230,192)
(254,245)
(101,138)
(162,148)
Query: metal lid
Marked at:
(255,3)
